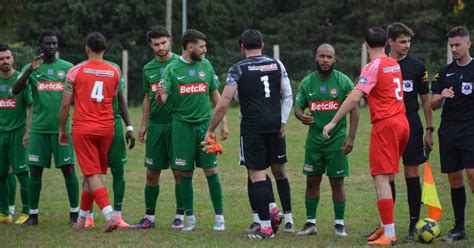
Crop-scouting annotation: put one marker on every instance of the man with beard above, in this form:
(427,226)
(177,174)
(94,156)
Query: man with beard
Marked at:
(156,125)
(189,82)
(12,128)
(323,92)
(46,81)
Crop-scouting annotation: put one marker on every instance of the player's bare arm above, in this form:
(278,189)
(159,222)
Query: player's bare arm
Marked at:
(428,140)
(161,95)
(26,136)
(348,105)
(216,100)
(438,99)
(20,83)
(354,123)
(64,114)
(129,136)
(303,116)
(146,111)
(220,109)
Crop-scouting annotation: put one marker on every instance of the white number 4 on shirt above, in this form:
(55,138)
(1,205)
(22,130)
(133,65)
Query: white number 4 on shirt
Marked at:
(97,91)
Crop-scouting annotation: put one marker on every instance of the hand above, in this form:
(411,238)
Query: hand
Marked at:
(448,93)
(26,139)
(307,119)
(36,63)
(328,129)
(428,141)
(209,134)
(281,134)
(63,138)
(160,89)
(141,135)
(224,132)
(130,139)
(347,145)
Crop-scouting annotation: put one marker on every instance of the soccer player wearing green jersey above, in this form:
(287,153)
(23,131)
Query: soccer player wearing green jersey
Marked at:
(156,125)
(12,129)
(323,92)
(46,82)
(189,82)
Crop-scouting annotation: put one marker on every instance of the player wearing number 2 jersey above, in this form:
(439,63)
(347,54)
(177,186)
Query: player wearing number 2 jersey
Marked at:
(46,81)
(93,84)
(380,81)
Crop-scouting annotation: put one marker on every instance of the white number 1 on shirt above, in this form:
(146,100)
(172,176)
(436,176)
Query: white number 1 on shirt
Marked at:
(97,91)
(266,86)
(398,89)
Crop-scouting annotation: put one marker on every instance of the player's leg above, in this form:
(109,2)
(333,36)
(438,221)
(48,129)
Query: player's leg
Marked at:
(11,192)
(152,191)
(183,146)
(261,190)
(314,168)
(337,170)
(178,222)
(5,217)
(64,159)
(284,191)
(39,157)
(21,169)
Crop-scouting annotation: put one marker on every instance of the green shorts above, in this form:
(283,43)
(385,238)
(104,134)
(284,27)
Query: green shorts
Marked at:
(117,155)
(334,164)
(42,145)
(12,152)
(186,148)
(158,146)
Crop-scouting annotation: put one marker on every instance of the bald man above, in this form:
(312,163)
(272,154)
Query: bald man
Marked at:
(323,92)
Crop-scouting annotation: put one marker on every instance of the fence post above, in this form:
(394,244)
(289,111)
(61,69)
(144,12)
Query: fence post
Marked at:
(125,73)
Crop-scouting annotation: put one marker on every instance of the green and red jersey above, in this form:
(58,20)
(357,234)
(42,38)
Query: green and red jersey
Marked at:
(12,107)
(188,86)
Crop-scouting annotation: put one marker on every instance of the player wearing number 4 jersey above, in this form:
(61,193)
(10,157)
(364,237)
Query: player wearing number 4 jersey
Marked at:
(380,81)
(93,84)
(46,82)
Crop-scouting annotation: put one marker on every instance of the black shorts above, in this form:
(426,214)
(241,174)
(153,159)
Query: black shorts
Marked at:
(259,151)
(413,153)
(456,145)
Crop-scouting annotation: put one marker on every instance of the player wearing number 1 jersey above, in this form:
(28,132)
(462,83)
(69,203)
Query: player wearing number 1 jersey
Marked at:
(380,81)
(46,81)
(93,84)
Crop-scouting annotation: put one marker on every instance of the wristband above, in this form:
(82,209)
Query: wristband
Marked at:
(129,128)
(431,129)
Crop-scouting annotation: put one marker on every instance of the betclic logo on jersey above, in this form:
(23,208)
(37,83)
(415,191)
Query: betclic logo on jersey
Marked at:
(154,86)
(321,106)
(50,86)
(8,103)
(192,88)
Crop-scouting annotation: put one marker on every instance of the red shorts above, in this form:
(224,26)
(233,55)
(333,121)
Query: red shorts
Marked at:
(91,153)
(388,140)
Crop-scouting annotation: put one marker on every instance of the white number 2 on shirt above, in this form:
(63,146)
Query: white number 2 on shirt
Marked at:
(97,91)
(398,89)
(266,85)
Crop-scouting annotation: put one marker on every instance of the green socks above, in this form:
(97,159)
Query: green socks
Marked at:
(35,190)
(151,195)
(11,189)
(311,208)
(339,209)
(179,199)
(4,195)
(187,194)
(24,192)
(118,185)
(72,187)
(215,190)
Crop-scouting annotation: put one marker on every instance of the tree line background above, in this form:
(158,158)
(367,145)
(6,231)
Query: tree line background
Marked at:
(298,26)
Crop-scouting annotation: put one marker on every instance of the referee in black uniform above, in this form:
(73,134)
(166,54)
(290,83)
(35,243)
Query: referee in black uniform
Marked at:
(453,90)
(415,82)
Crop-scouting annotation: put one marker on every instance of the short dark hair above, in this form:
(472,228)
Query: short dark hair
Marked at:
(460,31)
(156,32)
(397,29)
(192,36)
(46,33)
(251,39)
(375,37)
(96,42)
(4,47)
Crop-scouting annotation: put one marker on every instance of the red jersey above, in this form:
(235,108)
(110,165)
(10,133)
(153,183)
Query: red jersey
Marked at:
(381,80)
(95,85)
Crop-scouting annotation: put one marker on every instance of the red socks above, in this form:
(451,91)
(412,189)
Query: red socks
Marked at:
(385,207)
(87,199)
(101,197)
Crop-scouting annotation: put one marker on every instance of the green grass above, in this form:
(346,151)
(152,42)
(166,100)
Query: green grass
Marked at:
(361,212)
